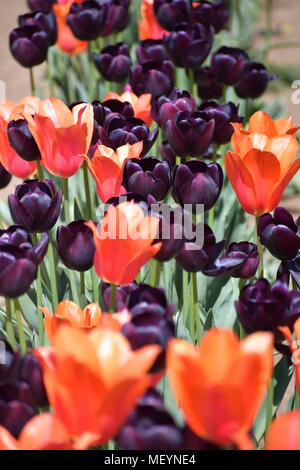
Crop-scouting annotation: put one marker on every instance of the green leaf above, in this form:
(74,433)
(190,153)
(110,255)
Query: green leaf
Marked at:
(224,314)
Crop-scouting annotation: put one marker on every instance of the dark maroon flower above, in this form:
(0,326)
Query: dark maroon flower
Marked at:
(228,64)
(170,13)
(151,49)
(45,21)
(254,81)
(194,39)
(167,153)
(248,252)
(75,245)
(14,415)
(214,14)
(113,62)
(223,115)
(170,234)
(5,177)
(118,16)
(208,87)
(35,205)
(30,372)
(122,294)
(87,19)
(22,141)
(29,45)
(166,108)
(152,77)
(41,5)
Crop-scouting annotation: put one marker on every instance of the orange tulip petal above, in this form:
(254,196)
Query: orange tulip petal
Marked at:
(261,123)
(284,433)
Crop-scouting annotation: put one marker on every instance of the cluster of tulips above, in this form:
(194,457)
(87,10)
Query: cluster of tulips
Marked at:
(105,316)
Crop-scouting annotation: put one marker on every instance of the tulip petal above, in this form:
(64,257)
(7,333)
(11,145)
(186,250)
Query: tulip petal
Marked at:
(284,433)
(261,123)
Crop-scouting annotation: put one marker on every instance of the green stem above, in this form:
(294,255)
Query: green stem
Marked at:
(190,74)
(112,303)
(20,326)
(66,200)
(260,251)
(95,285)
(87,190)
(185,289)
(270,398)
(32,82)
(39,170)
(82,284)
(9,325)
(39,299)
(53,281)
(196,306)
(158,268)
(49,76)
(297,400)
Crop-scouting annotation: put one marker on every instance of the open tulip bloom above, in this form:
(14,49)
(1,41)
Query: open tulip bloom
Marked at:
(149,263)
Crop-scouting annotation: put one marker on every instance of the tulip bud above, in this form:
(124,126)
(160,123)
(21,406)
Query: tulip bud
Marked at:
(148,176)
(167,153)
(170,13)
(118,16)
(211,14)
(223,115)
(195,182)
(190,134)
(152,77)
(122,294)
(279,234)
(166,108)
(248,252)
(35,205)
(196,42)
(29,45)
(262,307)
(151,49)
(75,245)
(5,177)
(208,87)
(45,21)
(22,141)
(87,19)
(114,62)
(254,81)
(228,64)
(41,5)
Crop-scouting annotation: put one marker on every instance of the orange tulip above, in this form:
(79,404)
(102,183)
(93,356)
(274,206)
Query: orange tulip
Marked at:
(284,433)
(63,136)
(221,383)
(66,40)
(124,242)
(8,157)
(94,380)
(294,347)
(141,104)
(148,25)
(67,312)
(107,168)
(262,162)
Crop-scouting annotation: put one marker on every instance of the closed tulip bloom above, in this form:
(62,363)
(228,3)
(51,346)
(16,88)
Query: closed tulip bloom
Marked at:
(166,108)
(190,134)
(228,64)
(196,42)
(208,87)
(141,104)
(118,16)
(35,205)
(75,245)
(212,393)
(45,21)
(122,294)
(266,144)
(5,177)
(279,234)
(87,19)
(62,136)
(167,153)
(41,5)
(22,141)
(148,25)
(111,376)
(195,182)
(248,252)
(148,176)
(284,432)
(107,165)
(113,62)
(213,14)
(170,13)
(66,41)
(223,115)
(29,45)
(152,77)
(151,49)
(254,81)
(124,243)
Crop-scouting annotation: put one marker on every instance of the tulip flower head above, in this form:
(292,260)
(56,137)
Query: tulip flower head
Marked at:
(262,162)
(67,42)
(141,104)
(148,25)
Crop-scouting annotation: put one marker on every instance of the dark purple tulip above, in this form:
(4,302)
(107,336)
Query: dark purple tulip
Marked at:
(195,182)
(127,131)
(5,177)
(87,19)
(22,141)
(122,294)
(279,235)
(116,108)
(248,252)
(208,87)
(113,62)
(14,415)
(167,153)
(262,307)
(171,234)
(170,13)
(152,77)
(211,14)
(147,176)
(190,134)
(41,5)
(223,115)
(29,45)
(151,49)
(75,245)
(189,44)
(45,21)
(254,81)
(165,108)
(228,64)
(118,16)
(35,205)
(30,372)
